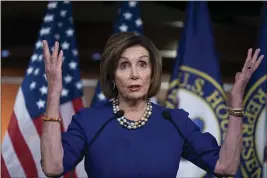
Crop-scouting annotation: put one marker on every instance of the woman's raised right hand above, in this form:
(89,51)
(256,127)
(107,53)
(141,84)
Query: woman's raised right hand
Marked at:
(53,64)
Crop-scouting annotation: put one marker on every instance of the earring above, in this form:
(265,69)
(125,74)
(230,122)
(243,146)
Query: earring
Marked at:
(114,86)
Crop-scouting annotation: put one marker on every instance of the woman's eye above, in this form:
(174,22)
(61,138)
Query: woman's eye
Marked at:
(123,65)
(143,64)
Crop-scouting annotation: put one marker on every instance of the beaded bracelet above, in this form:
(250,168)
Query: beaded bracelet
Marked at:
(53,119)
(237,112)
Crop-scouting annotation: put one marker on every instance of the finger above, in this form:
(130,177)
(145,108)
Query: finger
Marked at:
(249,54)
(254,58)
(46,52)
(256,54)
(257,63)
(55,53)
(59,59)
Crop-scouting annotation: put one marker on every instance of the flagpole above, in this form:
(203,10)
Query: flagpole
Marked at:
(265,147)
(264,13)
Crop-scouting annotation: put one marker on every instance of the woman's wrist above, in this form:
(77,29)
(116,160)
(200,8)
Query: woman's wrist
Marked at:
(53,96)
(236,101)
(236,104)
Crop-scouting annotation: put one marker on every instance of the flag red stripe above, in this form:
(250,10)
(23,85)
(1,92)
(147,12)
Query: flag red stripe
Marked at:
(70,174)
(77,104)
(4,171)
(61,124)
(22,150)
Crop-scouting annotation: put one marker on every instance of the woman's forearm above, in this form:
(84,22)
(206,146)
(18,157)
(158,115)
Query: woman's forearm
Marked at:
(229,158)
(231,148)
(51,146)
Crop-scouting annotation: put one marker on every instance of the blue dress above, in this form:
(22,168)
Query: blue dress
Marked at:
(154,150)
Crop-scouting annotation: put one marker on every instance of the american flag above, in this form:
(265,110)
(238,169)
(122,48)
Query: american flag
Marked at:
(128,20)
(21,144)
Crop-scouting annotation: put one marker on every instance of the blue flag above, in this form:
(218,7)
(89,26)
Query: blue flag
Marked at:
(254,134)
(128,20)
(196,84)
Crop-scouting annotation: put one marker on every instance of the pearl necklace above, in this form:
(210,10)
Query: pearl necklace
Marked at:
(132,124)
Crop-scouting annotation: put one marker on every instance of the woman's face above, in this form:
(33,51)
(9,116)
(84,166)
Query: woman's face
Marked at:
(133,73)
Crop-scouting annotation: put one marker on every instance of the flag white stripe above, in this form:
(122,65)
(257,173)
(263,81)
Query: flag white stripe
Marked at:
(28,130)
(10,158)
(154,100)
(80,171)
(66,111)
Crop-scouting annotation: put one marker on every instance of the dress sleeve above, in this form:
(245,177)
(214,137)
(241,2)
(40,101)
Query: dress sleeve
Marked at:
(73,142)
(200,148)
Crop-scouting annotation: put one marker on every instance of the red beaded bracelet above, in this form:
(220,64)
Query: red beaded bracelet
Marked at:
(46,118)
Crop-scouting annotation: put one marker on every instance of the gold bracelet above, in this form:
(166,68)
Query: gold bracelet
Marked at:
(237,112)
(53,119)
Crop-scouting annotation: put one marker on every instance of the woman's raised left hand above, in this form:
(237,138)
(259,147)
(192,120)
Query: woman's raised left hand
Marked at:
(242,78)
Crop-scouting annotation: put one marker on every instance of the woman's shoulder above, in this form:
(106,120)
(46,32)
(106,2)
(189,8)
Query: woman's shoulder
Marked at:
(94,109)
(92,113)
(177,115)
(173,111)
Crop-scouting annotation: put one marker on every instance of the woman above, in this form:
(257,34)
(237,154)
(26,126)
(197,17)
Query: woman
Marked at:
(130,136)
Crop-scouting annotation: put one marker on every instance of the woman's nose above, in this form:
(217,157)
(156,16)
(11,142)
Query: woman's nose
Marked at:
(134,73)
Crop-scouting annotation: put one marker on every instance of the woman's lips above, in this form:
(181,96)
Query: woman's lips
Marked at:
(134,87)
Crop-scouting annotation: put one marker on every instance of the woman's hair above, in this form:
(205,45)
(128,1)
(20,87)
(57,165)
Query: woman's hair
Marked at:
(114,47)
